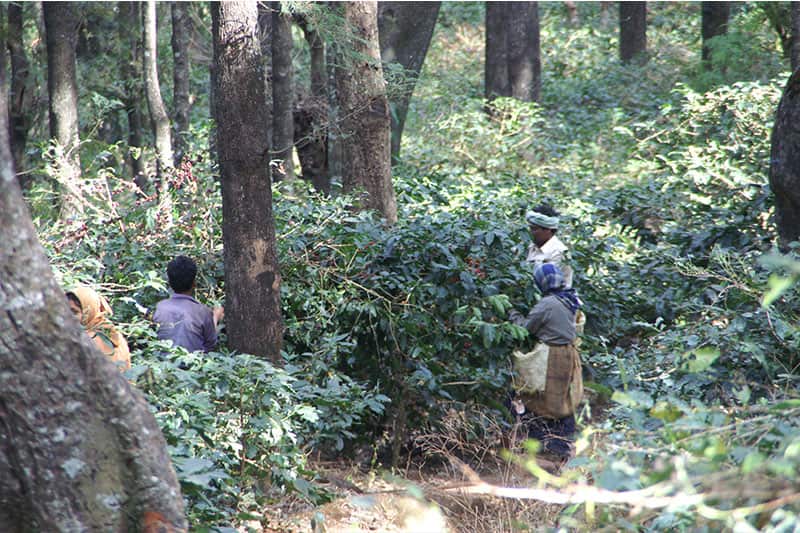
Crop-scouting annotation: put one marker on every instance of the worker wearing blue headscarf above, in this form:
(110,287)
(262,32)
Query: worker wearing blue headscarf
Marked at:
(549,413)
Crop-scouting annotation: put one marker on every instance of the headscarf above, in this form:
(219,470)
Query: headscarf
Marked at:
(94,317)
(550,280)
(536,218)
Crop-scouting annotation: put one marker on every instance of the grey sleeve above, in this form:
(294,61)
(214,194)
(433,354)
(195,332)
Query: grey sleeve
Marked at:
(537,317)
(209,332)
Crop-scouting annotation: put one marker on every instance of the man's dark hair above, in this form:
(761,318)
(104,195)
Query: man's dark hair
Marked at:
(547,210)
(181,272)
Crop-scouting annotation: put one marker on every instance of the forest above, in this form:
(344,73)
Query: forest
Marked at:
(354,182)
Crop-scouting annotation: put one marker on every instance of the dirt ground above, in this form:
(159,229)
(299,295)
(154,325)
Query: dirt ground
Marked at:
(429,493)
(413,503)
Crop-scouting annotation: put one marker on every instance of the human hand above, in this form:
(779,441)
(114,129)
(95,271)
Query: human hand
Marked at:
(219,314)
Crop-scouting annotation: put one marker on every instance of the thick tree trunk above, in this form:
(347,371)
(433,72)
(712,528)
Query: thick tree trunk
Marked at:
(79,447)
(252,279)
(129,22)
(633,32)
(61,23)
(795,51)
(524,63)
(281,162)
(405,30)
(496,82)
(159,119)
(715,17)
(21,91)
(366,127)
(181,29)
(784,170)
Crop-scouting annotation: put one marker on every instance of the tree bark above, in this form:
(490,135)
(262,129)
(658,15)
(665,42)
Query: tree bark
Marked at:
(784,169)
(61,27)
(129,22)
(795,51)
(252,278)
(335,135)
(181,30)
(496,82)
(715,17)
(633,32)
(265,38)
(21,91)
(159,119)
(405,30)
(311,115)
(524,63)
(366,127)
(79,447)
(281,164)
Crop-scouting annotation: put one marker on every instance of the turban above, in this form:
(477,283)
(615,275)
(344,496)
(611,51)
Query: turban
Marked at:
(537,219)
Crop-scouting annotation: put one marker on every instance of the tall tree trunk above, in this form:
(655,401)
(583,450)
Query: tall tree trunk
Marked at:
(361,92)
(311,116)
(252,279)
(79,448)
(524,63)
(61,23)
(795,51)
(715,17)
(21,104)
(496,82)
(282,165)
(129,22)
(572,13)
(335,135)
(158,114)
(784,169)
(265,38)
(405,30)
(181,29)
(633,32)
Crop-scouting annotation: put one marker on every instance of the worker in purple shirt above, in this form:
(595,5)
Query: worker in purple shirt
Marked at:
(181,318)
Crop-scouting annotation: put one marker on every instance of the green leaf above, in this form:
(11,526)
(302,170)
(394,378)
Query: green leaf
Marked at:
(699,360)
(777,286)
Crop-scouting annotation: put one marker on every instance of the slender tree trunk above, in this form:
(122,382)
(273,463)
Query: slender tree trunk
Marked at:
(405,30)
(335,150)
(21,104)
(715,17)
(784,169)
(361,92)
(633,32)
(181,29)
(496,82)
(129,19)
(795,51)
(79,448)
(524,63)
(61,23)
(281,164)
(158,114)
(265,38)
(572,12)
(252,278)
(311,116)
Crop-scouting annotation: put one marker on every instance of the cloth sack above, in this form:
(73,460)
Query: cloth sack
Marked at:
(530,369)
(563,390)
